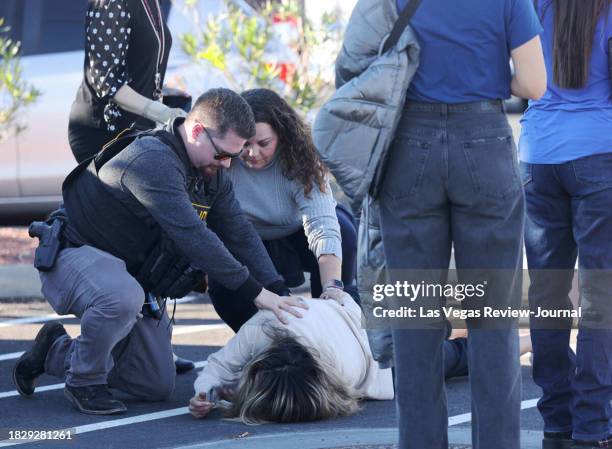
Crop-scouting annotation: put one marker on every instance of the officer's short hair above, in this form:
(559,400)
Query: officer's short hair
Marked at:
(224,109)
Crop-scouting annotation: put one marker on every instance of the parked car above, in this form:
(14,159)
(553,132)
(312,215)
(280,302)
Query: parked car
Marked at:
(34,163)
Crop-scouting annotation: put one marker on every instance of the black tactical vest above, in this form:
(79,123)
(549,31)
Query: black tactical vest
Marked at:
(106,223)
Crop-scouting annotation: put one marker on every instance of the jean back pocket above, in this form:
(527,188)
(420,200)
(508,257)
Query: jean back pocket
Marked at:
(405,167)
(493,165)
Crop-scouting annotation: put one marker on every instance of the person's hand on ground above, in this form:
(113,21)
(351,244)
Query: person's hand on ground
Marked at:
(336,294)
(199,406)
(278,305)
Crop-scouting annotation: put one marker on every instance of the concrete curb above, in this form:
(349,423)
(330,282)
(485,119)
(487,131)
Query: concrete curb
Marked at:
(19,281)
(346,438)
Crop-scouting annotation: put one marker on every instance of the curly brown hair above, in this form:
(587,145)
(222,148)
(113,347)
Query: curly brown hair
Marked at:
(298,156)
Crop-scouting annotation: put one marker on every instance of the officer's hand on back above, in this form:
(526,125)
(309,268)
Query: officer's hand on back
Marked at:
(278,305)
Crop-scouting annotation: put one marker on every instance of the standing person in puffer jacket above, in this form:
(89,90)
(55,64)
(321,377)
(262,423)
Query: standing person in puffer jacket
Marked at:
(451,178)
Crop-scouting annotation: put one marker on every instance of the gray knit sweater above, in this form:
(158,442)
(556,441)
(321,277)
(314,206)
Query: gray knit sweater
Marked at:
(277,206)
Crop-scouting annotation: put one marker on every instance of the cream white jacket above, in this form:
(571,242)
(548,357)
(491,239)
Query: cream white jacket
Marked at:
(331,329)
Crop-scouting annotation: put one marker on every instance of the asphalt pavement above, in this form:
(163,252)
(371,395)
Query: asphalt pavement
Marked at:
(199,332)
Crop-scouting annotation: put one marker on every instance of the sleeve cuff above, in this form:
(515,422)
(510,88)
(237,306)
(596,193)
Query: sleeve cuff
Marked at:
(249,289)
(329,246)
(279,288)
(204,383)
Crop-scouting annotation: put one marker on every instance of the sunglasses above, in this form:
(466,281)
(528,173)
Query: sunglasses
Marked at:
(222,155)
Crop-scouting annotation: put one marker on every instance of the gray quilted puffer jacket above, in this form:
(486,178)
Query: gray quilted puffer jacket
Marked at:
(370,271)
(354,130)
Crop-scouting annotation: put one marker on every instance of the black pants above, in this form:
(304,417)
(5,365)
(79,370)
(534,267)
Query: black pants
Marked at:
(292,258)
(85,141)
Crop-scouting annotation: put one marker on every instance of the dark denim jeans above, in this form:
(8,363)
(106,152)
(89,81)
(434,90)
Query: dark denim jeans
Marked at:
(452,178)
(292,257)
(455,358)
(569,212)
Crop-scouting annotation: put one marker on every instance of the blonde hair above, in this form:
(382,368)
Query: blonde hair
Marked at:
(289,382)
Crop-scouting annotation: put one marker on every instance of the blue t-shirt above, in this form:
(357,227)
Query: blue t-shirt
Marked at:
(567,124)
(465,47)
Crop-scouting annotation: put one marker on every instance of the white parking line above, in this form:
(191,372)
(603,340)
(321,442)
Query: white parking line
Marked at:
(11,356)
(13,393)
(452,421)
(467,417)
(177,331)
(55,316)
(33,319)
(10,394)
(113,423)
(459,419)
(530,403)
(198,328)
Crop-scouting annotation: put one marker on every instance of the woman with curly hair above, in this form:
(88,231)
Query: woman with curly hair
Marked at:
(282,187)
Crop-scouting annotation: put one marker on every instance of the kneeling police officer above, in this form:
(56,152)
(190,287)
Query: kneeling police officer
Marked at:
(146,218)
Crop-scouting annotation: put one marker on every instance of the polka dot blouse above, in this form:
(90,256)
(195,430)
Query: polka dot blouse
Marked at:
(127,42)
(107,42)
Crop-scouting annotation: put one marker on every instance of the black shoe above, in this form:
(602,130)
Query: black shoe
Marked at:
(577,444)
(183,365)
(557,440)
(94,400)
(32,363)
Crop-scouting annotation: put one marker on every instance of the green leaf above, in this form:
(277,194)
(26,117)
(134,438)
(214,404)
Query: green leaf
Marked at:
(248,37)
(17,94)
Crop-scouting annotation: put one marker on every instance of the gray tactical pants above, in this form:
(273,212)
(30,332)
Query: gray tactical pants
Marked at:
(117,346)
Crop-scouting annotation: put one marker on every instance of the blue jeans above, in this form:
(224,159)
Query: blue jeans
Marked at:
(452,178)
(569,211)
(455,358)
